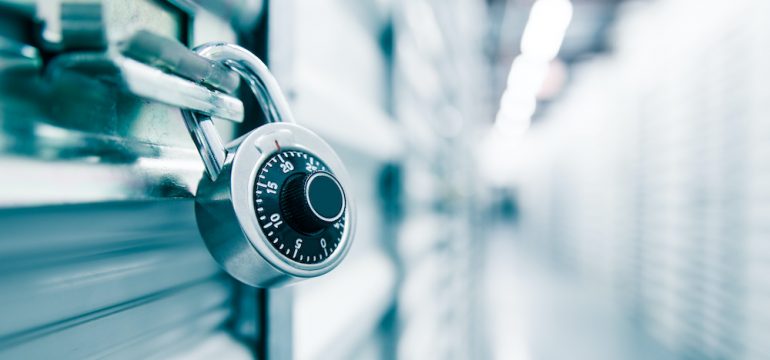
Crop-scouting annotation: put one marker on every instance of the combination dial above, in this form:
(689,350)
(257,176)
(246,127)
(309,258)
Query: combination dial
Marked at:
(300,206)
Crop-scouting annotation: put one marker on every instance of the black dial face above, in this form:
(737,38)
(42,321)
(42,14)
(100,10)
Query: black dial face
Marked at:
(300,206)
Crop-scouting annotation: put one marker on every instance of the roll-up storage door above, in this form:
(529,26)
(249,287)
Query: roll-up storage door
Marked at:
(115,278)
(100,254)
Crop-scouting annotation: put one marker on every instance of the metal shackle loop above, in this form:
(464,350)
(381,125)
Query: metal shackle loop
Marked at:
(261,82)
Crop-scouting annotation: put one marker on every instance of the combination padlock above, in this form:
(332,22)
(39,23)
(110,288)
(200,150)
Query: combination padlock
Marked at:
(272,207)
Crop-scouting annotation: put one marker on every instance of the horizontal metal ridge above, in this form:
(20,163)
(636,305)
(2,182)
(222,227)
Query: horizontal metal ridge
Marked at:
(69,290)
(103,226)
(98,332)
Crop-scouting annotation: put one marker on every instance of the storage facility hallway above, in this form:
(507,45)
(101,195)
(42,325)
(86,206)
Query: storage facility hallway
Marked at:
(385,179)
(630,219)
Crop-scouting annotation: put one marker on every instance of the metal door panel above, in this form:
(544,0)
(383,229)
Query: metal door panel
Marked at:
(97,333)
(100,254)
(96,282)
(178,339)
(55,231)
(112,278)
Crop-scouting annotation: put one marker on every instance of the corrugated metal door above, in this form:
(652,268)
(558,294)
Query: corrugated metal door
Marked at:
(100,254)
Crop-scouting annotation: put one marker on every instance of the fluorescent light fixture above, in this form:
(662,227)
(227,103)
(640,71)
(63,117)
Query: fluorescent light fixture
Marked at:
(542,38)
(544,33)
(540,43)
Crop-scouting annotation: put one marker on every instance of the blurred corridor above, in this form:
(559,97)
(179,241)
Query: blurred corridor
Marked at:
(644,188)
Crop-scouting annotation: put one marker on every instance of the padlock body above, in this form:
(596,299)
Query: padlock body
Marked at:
(227,216)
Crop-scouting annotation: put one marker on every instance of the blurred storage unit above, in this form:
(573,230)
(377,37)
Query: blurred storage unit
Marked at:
(439,94)
(651,175)
(386,78)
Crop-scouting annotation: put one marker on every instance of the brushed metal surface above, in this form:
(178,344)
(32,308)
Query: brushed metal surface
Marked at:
(100,254)
(72,273)
(96,333)
(85,284)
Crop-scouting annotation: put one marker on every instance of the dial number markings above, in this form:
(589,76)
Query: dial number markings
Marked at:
(268,186)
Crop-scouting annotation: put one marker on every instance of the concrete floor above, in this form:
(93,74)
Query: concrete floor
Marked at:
(535,312)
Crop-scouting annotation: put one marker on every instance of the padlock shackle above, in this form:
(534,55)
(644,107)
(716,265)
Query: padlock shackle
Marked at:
(261,82)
